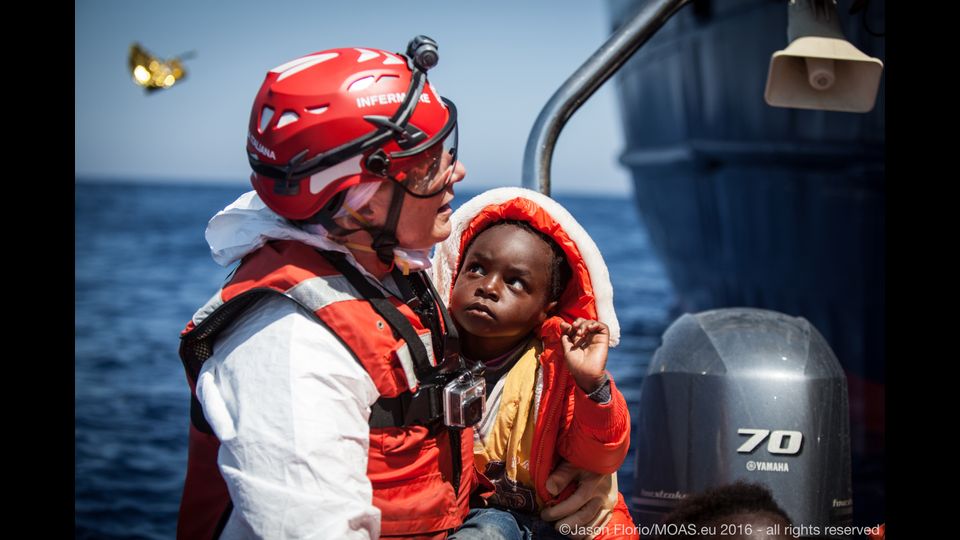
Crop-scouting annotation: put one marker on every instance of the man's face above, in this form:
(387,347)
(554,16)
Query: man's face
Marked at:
(425,222)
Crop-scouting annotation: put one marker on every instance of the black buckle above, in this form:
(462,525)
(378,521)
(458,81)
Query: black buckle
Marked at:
(425,406)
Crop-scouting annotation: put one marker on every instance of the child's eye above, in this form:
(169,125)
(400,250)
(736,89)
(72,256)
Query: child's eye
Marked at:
(516,282)
(474,268)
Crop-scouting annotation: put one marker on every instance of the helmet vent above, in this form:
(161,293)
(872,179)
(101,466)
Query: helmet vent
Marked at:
(265,116)
(288,117)
(361,84)
(318,110)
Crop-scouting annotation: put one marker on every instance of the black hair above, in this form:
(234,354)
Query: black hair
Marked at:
(560,272)
(725,501)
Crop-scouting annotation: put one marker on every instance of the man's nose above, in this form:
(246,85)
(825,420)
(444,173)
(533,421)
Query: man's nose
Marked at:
(459,171)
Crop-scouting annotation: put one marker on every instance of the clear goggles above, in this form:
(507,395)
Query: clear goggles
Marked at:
(427,169)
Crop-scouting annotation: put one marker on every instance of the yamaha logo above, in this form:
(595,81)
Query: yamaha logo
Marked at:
(769,466)
(779,443)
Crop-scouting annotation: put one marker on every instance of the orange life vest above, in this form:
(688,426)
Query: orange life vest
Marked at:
(413,468)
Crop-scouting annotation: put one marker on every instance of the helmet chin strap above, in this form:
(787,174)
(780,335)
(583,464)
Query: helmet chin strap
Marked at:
(385,238)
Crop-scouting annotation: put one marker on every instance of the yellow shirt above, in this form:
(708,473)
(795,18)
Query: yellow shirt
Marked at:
(504,454)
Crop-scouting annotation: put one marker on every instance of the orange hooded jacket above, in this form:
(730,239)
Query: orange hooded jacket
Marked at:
(598,436)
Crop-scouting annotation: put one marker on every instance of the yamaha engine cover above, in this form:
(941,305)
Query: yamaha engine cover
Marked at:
(747,394)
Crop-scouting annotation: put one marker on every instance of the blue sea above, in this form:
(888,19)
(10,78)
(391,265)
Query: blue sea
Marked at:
(143,268)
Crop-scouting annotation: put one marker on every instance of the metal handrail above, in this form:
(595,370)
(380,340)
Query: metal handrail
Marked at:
(621,45)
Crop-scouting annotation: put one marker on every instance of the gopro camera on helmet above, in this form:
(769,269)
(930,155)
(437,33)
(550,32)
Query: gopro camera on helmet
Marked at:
(423,51)
(464,399)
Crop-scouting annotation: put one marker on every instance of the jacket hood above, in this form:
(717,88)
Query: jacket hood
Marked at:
(589,293)
(247,224)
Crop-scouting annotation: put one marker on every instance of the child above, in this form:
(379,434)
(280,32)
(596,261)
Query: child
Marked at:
(531,298)
(747,509)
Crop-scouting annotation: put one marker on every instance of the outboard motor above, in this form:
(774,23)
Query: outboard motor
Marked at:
(744,394)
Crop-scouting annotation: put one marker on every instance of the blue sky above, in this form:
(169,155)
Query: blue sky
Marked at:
(499,61)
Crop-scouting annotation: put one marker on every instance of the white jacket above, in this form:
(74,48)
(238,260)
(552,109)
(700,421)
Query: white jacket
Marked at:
(288,402)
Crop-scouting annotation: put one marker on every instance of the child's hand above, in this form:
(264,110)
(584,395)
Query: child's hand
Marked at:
(585,344)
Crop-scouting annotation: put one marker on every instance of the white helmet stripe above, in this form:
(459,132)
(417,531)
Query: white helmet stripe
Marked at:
(366,55)
(309,63)
(323,178)
(436,95)
(391,59)
(298,61)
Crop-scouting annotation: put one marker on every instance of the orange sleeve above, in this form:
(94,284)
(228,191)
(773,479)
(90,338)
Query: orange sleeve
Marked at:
(598,435)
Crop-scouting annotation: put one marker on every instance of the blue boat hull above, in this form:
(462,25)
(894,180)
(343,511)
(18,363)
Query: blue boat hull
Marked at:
(756,206)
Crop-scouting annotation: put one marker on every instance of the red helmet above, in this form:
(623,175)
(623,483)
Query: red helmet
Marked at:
(327,121)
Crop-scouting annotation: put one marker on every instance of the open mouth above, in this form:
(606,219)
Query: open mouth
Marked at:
(443,208)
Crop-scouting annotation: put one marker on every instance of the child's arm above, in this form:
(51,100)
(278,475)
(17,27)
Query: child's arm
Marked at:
(599,435)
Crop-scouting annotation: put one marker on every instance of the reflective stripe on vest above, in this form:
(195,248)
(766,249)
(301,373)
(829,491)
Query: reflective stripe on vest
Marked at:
(319,292)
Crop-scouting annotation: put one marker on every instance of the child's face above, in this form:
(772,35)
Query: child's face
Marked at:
(502,290)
